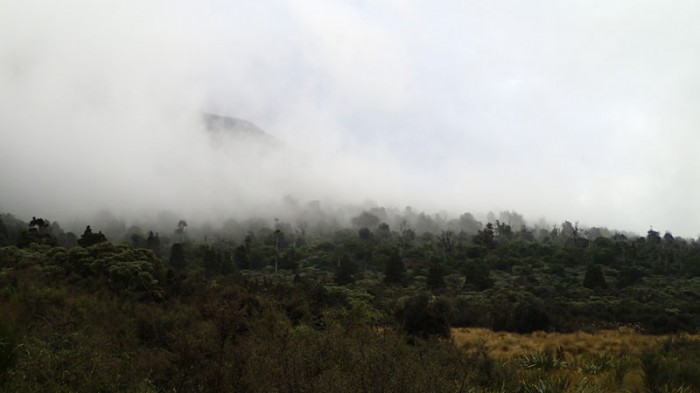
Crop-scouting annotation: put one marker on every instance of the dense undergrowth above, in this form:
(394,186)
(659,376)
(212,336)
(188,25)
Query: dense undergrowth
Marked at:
(366,310)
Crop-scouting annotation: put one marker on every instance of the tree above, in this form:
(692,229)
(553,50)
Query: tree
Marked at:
(365,220)
(153,242)
(240,257)
(32,235)
(477,276)
(211,260)
(366,246)
(364,233)
(485,237)
(447,241)
(394,270)
(594,277)
(668,238)
(88,238)
(629,275)
(38,223)
(653,236)
(345,271)
(38,232)
(180,230)
(3,229)
(425,315)
(290,259)
(436,276)
(177,257)
(529,317)
(279,237)
(568,229)
(503,231)
(4,234)
(383,231)
(523,315)
(406,235)
(513,219)
(469,224)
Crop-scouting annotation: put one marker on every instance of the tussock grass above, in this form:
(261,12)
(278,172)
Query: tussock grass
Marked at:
(601,361)
(505,345)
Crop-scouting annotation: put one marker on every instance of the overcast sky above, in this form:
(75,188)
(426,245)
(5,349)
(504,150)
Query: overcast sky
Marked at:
(579,110)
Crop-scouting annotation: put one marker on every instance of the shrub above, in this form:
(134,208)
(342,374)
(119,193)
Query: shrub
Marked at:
(424,316)
(8,350)
(675,365)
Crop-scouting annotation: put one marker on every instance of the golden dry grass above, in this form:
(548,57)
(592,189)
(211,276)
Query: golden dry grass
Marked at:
(504,345)
(580,349)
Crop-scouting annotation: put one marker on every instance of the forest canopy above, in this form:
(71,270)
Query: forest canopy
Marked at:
(185,299)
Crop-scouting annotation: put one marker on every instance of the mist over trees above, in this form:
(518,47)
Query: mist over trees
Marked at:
(256,288)
(295,196)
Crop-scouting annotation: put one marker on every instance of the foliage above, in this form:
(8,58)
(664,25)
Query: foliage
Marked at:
(394,272)
(676,366)
(436,277)
(281,309)
(425,315)
(594,277)
(8,350)
(542,360)
(89,238)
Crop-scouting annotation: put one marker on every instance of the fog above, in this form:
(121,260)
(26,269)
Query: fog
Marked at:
(581,110)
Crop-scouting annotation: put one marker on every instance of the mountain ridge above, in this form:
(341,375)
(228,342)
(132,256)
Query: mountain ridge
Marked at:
(233,126)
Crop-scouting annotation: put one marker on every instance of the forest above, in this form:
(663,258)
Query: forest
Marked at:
(381,302)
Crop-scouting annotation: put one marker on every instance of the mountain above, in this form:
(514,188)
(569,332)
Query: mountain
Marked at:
(232,127)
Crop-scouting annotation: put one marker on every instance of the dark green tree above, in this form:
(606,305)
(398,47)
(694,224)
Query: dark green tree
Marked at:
(211,261)
(345,271)
(425,315)
(653,237)
(38,232)
(447,242)
(394,269)
(486,237)
(364,233)
(477,276)
(240,257)
(383,231)
(153,242)
(89,238)
(629,275)
(4,235)
(3,229)
(529,317)
(177,257)
(594,277)
(503,231)
(436,276)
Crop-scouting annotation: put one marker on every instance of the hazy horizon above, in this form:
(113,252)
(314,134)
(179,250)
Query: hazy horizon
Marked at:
(579,111)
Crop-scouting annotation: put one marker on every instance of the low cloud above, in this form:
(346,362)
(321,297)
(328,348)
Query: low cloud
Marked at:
(584,111)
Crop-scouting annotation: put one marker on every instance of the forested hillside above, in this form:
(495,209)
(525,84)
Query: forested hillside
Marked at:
(272,307)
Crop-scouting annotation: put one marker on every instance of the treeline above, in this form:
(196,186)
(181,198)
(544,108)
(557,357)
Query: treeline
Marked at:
(522,280)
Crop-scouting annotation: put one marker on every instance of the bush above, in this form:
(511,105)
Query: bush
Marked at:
(424,316)
(675,365)
(8,350)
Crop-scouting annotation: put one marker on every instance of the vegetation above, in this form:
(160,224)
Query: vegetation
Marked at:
(253,308)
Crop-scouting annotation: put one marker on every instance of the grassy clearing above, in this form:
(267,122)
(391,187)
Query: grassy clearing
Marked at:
(602,361)
(504,345)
